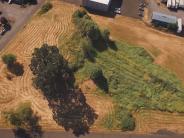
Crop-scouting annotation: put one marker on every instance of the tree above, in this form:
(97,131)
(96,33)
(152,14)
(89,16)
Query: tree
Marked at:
(24,120)
(9,59)
(51,71)
(21,117)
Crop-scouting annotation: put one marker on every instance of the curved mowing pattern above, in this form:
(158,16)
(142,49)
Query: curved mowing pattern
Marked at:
(45,29)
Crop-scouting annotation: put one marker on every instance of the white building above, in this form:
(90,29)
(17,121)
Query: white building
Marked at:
(100,5)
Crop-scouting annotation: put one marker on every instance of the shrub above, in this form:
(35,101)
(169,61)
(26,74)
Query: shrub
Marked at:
(86,26)
(45,8)
(78,14)
(21,116)
(87,49)
(127,122)
(9,59)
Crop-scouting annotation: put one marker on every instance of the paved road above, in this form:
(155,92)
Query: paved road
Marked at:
(8,133)
(19,24)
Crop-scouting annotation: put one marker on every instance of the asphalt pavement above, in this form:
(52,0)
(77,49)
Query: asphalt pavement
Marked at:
(8,133)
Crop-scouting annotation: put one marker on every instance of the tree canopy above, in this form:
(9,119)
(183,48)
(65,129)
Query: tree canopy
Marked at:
(9,59)
(50,70)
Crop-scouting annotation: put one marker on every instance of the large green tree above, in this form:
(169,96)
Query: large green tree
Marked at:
(50,70)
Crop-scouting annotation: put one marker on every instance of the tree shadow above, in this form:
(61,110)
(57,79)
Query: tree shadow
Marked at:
(166,132)
(16,68)
(100,45)
(102,83)
(32,130)
(70,109)
(112,45)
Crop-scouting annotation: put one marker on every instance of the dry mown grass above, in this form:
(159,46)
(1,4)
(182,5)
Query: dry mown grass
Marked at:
(47,28)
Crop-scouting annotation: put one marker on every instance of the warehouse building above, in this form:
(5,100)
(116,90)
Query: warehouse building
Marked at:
(164,20)
(100,5)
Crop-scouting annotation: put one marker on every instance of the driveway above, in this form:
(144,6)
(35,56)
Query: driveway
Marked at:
(18,17)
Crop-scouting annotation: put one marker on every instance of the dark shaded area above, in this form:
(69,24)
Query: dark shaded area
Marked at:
(70,109)
(110,13)
(24,2)
(57,82)
(102,83)
(16,68)
(73,113)
(33,129)
(112,45)
(166,132)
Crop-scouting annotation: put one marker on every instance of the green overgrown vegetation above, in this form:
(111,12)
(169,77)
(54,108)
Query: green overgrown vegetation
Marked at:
(45,8)
(129,73)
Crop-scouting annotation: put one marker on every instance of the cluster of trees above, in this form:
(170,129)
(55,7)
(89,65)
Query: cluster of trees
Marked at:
(90,30)
(51,71)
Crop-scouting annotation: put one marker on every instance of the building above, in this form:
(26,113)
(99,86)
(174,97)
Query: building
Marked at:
(100,5)
(174,3)
(165,20)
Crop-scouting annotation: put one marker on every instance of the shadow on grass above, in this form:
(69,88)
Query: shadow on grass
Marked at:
(102,83)
(17,69)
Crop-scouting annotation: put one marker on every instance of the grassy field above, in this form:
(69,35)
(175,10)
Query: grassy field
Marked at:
(131,78)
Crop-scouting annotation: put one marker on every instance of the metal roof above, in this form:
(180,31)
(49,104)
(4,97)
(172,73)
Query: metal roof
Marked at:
(164,17)
(106,2)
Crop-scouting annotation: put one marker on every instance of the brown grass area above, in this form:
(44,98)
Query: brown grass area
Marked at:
(41,29)
(155,121)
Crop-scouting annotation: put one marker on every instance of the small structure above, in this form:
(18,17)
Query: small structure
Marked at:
(166,20)
(174,3)
(100,5)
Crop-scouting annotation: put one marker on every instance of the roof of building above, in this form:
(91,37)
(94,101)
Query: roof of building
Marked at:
(106,2)
(164,17)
